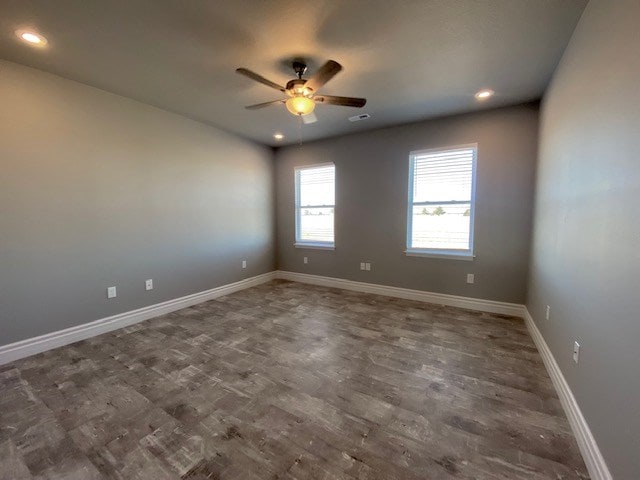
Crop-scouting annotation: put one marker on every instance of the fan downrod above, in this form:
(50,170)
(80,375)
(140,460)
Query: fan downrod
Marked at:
(300,68)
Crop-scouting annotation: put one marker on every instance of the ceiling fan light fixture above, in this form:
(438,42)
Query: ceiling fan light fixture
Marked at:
(300,105)
(302,92)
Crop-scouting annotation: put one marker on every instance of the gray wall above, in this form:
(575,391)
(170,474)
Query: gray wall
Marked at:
(586,250)
(99,190)
(371,202)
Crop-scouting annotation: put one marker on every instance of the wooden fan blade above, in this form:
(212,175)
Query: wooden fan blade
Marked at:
(265,104)
(259,78)
(344,101)
(309,118)
(322,76)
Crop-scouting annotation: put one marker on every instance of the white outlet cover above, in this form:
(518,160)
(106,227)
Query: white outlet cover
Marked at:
(148,284)
(367,266)
(244,264)
(576,352)
(547,312)
(362,266)
(471,278)
(111,292)
(306,260)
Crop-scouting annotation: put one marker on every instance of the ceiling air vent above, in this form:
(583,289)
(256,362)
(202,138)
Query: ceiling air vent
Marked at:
(357,118)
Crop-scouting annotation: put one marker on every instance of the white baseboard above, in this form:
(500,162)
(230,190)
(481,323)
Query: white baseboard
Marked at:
(419,295)
(593,458)
(31,346)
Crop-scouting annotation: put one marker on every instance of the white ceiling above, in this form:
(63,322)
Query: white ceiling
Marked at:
(411,59)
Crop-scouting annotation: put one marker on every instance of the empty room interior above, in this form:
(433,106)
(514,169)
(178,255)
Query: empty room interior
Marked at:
(346,239)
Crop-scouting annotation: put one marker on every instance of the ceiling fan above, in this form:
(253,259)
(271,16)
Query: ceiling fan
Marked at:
(302,94)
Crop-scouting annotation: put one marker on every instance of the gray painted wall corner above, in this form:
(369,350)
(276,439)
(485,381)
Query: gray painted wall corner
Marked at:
(585,259)
(100,190)
(371,201)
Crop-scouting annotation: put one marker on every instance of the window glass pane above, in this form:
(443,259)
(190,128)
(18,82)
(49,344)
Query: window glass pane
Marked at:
(316,224)
(317,186)
(441,226)
(443,176)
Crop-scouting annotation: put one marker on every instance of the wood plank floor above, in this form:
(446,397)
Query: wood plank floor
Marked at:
(290,381)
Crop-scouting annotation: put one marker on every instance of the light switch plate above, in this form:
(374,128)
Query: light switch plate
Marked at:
(111,292)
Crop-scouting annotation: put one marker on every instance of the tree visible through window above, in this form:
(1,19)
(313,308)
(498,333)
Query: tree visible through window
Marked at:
(315,205)
(441,201)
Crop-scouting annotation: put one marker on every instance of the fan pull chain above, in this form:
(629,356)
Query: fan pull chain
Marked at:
(300,130)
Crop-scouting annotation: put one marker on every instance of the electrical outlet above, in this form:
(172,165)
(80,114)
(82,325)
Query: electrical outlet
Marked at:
(363,266)
(111,292)
(244,264)
(148,284)
(305,260)
(471,278)
(576,352)
(367,266)
(547,312)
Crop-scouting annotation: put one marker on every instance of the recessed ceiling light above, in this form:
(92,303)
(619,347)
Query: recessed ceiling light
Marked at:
(31,37)
(484,94)
(278,136)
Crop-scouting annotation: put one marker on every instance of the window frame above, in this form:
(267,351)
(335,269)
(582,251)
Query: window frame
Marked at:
(299,242)
(455,254)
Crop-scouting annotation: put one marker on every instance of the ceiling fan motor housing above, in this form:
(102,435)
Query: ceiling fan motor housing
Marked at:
(296,87)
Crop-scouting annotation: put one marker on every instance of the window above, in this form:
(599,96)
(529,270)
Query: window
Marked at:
(441,202)
(315,205)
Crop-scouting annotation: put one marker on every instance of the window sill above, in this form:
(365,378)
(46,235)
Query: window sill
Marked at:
(469,257)
(315,246)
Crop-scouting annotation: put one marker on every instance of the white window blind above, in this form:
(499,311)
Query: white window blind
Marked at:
(441,201)
(315,205)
